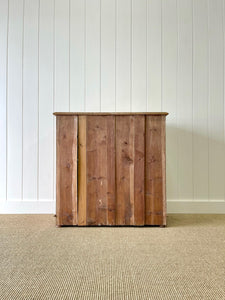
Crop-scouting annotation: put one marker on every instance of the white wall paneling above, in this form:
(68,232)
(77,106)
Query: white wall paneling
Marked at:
(77,55)
(108,55)
(200,100)
(216,101)
(92,55)
(3,97)
(184,99)
(154,55)
(46,105)
(169,91)
(139,56)
(15,101)
(112,55)
(123,55)
(30,100)
(62,55)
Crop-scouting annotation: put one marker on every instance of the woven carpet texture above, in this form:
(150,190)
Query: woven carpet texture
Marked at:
(185,260)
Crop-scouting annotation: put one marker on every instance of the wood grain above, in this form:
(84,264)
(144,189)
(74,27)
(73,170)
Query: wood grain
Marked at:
(155,171)
(121,170)
(111,170)
(82,166)
(130,170)
(100,154)
(66,192)
(139,170)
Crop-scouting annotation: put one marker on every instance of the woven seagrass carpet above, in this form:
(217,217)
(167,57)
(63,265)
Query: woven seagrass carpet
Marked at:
(186,260)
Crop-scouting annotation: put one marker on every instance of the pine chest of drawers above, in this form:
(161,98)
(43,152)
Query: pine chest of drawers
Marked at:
(110,169)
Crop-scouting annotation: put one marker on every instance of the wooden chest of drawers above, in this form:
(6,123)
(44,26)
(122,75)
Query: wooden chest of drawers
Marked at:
(110,169)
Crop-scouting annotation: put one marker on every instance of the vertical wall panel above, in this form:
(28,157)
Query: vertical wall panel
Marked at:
(3,95)
(46,60)
(139,55)
(169,91)
(154,55)
(216,101)
(108,55)
(15,102)
(123,56)
(200,100)
(184,100)
(62,101)
(92,71)
(77,55)
(30,100)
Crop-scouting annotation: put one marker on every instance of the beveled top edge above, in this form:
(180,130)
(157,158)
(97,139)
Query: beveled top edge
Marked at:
(109,113)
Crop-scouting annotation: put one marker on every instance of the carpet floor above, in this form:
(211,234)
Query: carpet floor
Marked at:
(185,260)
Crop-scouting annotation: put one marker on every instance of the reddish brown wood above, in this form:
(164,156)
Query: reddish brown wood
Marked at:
(66,193)
(121,169)
(81,176)
(155,193)
(139,170)
(111,171)
(98,170)
(130,170)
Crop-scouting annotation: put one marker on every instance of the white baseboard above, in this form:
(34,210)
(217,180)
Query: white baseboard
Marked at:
(48,207)
(196,207)
(27,207)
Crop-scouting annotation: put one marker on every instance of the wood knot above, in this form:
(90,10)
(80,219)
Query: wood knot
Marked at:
(128,159)
(152,160)
(68,165)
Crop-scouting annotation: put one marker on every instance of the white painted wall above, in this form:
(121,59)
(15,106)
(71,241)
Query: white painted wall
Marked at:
(112,55)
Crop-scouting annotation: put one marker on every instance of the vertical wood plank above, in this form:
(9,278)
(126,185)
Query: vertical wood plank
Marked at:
(169,91)
(123,56)
(14,104)
(3,96)
(124,162)
(82,171)
(30,100)
(139,55)
(101,167)
(100,178)
(129,166)
(108,55)
(66,194)
(77,55)
(184,100)
(139,170)
(154,53)
(92,71)
(200,100)
(216,101)
(92,170)
(62,99)
(111,170)
(155,194)
(46,61)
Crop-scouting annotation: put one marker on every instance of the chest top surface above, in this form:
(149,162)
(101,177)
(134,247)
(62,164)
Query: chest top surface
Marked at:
(109,113)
